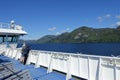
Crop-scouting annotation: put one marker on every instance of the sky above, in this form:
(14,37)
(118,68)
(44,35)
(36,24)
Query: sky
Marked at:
(53,17)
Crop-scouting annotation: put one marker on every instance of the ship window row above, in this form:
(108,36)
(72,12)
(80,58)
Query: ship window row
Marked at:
(8,39)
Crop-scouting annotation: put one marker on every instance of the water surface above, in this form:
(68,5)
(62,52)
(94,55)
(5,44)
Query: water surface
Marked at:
(104,49)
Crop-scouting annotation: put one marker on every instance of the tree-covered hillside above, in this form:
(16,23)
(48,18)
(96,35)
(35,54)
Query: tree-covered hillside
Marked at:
(85,34)
(46,39)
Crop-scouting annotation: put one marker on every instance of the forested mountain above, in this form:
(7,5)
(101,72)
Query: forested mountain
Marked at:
(84,34)
(46,39)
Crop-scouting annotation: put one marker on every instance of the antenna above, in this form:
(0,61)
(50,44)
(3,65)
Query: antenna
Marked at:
(12,24)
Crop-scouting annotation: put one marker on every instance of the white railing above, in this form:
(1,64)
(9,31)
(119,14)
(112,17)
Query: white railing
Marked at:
(2,48)
(4,25)
(85,66)
(14,53)
(10,26)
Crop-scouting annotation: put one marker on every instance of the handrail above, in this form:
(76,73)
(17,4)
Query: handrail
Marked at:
(89,67)
(4,25)
(10,26)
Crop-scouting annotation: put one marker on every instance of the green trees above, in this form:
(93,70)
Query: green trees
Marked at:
(86,34)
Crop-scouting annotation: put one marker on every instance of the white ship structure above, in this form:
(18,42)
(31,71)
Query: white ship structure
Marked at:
(72,66)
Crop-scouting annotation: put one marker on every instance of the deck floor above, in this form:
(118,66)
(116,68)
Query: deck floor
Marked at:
(36,73)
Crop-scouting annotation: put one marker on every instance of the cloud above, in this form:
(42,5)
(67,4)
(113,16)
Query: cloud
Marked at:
(107,16)
(62,31)
(58,33)
(112,25)
(52,29)
(117,16)
(67,29)
(100,19)
(118,23)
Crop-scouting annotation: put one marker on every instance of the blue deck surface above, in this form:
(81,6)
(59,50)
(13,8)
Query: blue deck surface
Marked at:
(36,73)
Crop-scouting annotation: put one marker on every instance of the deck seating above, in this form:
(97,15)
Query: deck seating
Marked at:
(6,69)
(8,72)
(23,75)
(9,65)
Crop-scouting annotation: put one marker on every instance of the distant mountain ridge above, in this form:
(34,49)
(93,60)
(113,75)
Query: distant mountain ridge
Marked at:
(46,39)
(84,34)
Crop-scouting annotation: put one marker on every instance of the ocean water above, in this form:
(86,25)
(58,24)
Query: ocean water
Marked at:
(103,49)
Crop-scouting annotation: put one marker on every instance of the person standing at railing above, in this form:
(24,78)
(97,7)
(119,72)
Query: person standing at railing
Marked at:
(24,52)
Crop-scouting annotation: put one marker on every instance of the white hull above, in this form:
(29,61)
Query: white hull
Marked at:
(85,66)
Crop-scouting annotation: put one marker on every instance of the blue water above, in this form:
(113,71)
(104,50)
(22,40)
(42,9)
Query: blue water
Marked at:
(104,49)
